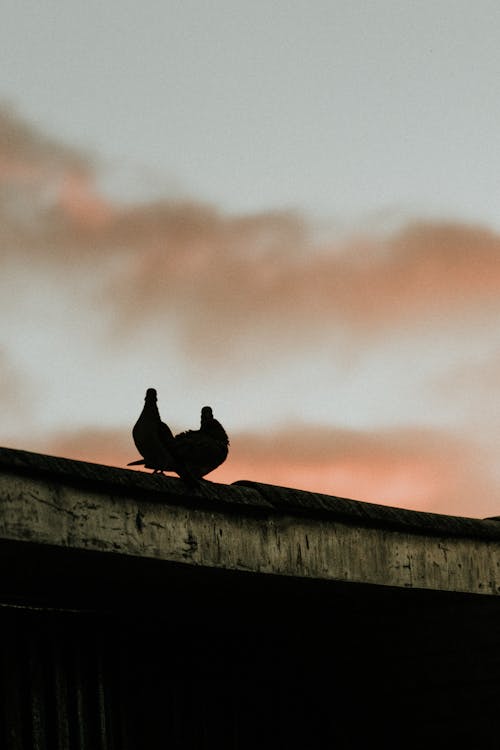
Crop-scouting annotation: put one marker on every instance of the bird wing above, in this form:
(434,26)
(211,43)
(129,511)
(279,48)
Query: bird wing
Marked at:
(153,440)
(201,453)
(165,433)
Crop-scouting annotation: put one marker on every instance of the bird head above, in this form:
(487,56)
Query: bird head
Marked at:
(151,395)
(206,414)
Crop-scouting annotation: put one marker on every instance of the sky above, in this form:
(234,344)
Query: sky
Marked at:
(289,211)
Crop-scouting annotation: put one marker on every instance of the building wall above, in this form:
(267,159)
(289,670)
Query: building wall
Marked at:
(153,658)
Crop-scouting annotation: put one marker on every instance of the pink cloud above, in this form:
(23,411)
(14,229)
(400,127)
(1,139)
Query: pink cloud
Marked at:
(249,277)
(427,470)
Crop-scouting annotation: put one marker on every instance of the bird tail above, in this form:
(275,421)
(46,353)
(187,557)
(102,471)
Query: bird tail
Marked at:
(137,463)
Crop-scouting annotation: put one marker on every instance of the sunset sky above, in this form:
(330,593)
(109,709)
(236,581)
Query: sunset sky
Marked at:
(289,211)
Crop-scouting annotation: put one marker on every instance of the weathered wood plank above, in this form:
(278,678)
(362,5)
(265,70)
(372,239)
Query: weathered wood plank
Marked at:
(184,527)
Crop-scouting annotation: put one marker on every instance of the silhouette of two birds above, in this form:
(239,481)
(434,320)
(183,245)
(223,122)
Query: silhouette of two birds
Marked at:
(191,454)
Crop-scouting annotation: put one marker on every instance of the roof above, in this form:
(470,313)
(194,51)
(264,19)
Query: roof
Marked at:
(243,526)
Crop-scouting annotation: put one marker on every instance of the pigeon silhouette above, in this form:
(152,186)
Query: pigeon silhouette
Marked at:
(191,454)
(154,439)
(205,449)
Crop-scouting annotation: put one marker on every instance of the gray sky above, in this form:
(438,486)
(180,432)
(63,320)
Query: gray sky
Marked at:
(287,210)
(352,111)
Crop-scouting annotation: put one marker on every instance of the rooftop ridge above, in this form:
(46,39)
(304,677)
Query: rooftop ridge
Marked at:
(50,502)
(245,494)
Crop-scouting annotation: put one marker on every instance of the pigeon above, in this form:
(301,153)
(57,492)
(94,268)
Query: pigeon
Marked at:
(205,449)
(191,454)
(153,438)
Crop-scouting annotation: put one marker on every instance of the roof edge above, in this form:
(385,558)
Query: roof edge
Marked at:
(244,496)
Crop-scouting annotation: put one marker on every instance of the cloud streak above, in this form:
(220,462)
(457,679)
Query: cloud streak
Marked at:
(240,276)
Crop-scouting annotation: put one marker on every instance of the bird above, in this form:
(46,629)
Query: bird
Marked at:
(192,454)
(205,449)
(153,438)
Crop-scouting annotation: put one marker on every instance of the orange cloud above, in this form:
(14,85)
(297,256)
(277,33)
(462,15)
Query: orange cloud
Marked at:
(47,191)
(22,143)
(241,280)
(230,297)
(419,469)
(112,447)
(414,468)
